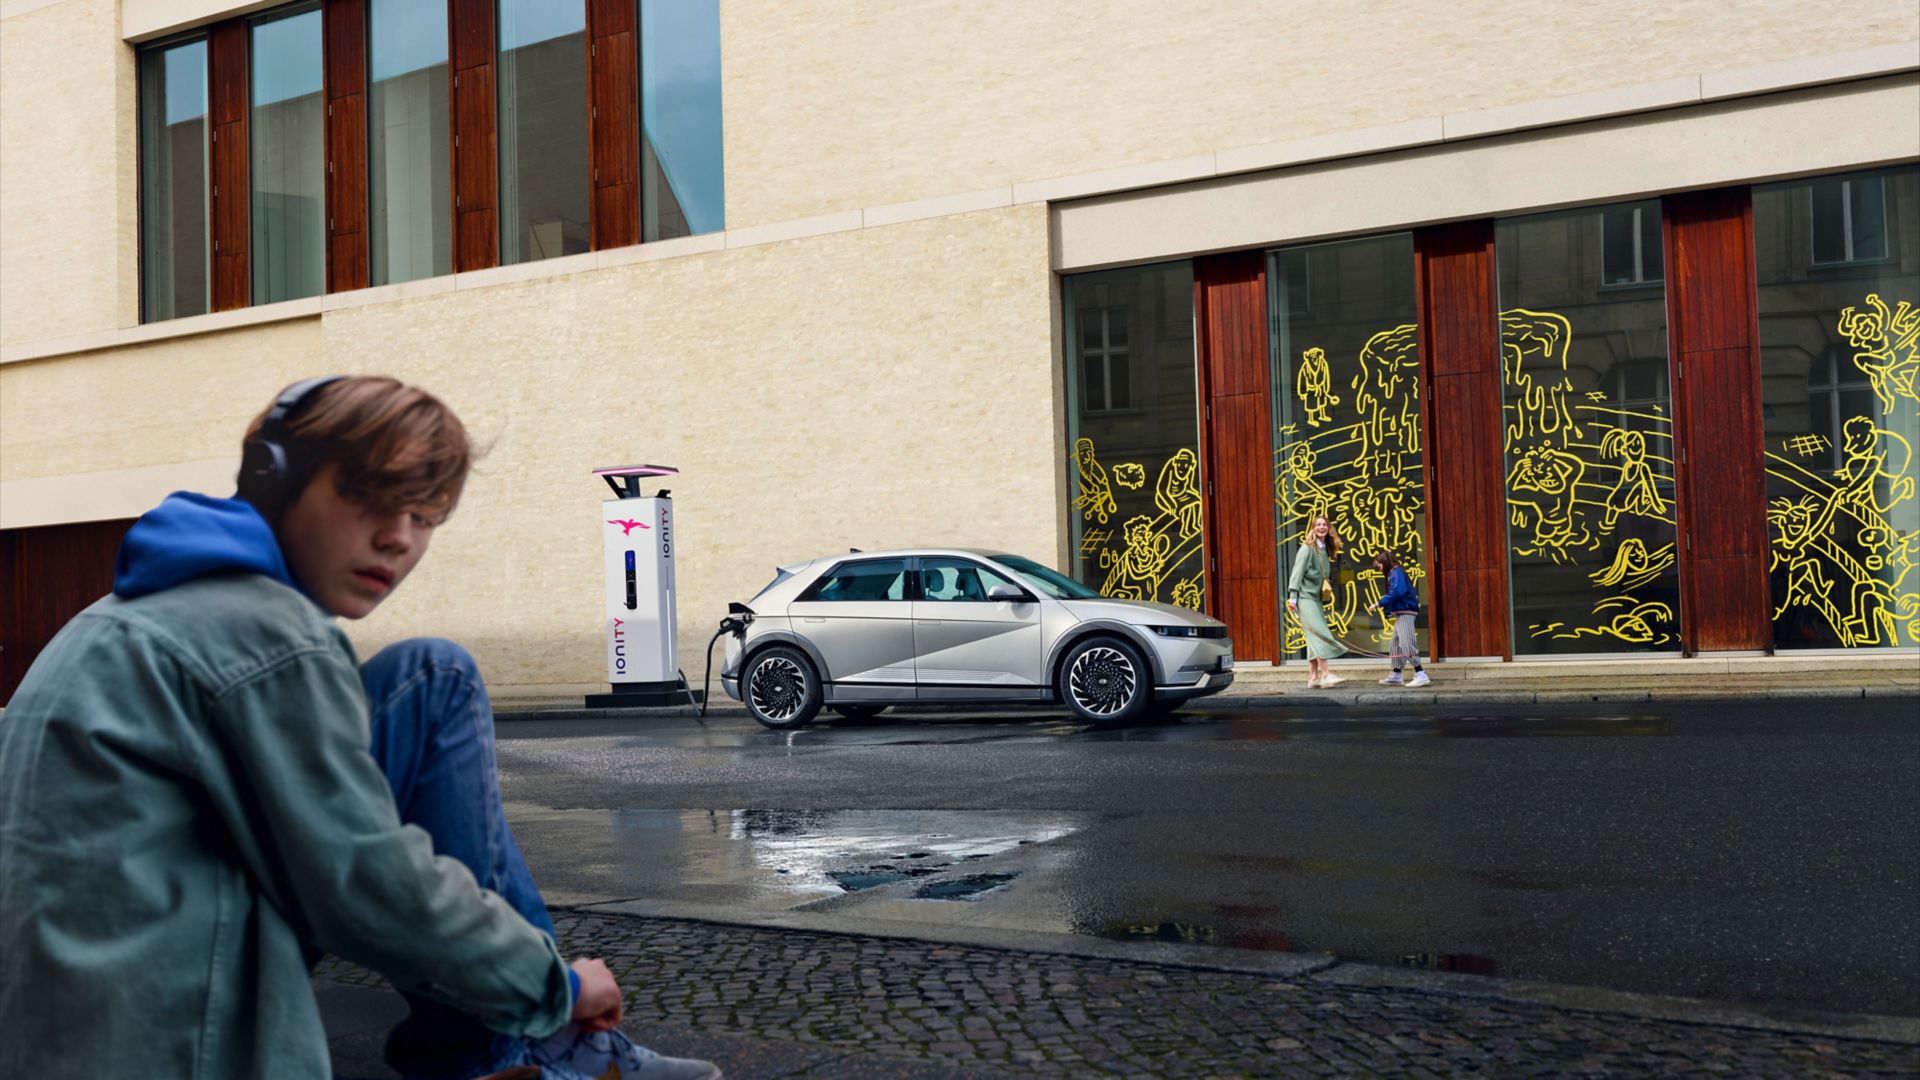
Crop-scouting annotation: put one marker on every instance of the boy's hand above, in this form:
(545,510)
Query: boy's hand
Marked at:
(598,1006)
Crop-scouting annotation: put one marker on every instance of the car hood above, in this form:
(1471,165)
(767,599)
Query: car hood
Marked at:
(1138,612)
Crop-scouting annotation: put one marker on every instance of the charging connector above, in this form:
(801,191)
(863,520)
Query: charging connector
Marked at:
(739,616)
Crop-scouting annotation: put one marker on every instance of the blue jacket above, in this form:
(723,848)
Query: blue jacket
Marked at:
(187,803)
(1399,597)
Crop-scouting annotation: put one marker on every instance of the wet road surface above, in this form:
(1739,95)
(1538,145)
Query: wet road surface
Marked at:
(1759,853)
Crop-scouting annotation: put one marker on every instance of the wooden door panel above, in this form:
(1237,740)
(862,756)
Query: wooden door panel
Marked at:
(1731,606)
(51,574)
(1250,608)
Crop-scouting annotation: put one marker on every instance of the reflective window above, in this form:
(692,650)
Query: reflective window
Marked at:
(286,134)
(544,182)
(870,579)
(682,192)
(956,579)
(1588,437)
(1838,265)
(1346,417)
(174,243)
(409,175)
(1134,465)
(1630,244)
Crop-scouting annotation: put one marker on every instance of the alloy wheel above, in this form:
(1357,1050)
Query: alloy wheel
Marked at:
(777,688)
(1102,680)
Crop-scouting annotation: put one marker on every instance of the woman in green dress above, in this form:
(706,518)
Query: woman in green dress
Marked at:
(1313,576)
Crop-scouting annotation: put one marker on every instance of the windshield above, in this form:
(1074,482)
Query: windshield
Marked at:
(1046,579)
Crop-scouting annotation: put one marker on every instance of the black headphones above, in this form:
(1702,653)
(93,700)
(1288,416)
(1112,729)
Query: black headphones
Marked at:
(271,473)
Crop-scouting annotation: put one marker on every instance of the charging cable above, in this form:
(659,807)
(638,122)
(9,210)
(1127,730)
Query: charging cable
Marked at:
(737,626)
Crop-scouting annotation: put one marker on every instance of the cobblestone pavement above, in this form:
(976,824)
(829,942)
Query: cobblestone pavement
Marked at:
(981,1011)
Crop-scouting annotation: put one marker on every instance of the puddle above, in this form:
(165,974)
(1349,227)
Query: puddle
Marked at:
(816,853)
(962,888)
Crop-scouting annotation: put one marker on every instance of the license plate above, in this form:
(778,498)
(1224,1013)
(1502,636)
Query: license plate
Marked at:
(1226,662)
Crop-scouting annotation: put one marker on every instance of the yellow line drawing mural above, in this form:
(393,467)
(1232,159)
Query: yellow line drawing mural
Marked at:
(1364,474)
(1314,385)
(1130,475)
(1808,445)
(1839,554)
(1634,565)
(1584,479)
(1637,622)
(1096,492)
(1886,347)
(1158,557)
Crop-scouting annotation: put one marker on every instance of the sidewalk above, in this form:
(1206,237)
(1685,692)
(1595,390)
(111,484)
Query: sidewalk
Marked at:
(1469,683)
(781,1002)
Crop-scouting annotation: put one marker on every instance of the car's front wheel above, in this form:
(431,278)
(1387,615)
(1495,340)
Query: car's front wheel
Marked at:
(1106,681)
(780,688)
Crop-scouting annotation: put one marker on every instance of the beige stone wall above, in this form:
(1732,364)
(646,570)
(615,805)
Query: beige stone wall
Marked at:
(888,386)
(67,173)
(830,106)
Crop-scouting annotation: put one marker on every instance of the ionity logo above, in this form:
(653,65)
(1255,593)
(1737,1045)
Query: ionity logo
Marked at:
(627,527)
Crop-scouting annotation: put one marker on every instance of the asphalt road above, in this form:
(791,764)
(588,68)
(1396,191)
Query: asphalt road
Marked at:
(1761,854)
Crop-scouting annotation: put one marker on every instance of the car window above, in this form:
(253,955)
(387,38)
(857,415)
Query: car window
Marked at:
(1046,579)
(956,579)
(870,579)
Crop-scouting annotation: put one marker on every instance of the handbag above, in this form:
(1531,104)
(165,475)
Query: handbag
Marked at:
(1326,592)
(1326,580)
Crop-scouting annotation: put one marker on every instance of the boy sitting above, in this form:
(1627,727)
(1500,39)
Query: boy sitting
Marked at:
(189,809)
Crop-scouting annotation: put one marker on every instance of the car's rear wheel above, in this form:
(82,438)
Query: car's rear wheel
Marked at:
(859,712)
(1106,681)
(780,688)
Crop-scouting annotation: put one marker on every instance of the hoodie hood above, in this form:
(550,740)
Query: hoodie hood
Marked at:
(189,536)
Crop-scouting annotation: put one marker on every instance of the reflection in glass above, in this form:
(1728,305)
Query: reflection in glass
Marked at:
(287,168)
(1346,420)
(174,271)
(1588,436)
(544,183)
(1838,266)
(682,193)
(1134,471)
(408,178)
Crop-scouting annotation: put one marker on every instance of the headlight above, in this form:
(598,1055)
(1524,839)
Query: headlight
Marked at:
(1176,631)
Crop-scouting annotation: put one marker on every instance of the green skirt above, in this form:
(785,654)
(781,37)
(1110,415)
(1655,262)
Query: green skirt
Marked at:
(1321,644)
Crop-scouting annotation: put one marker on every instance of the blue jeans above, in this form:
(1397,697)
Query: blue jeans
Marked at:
(432,729)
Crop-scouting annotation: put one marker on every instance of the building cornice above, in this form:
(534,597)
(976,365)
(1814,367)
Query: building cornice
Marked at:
(1446,129)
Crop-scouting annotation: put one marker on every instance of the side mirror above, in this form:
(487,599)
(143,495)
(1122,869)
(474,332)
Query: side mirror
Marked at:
(1009,592)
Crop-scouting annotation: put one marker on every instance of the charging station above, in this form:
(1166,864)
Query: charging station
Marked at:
(640,627)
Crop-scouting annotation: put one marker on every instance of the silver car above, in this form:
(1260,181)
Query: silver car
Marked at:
(862,631)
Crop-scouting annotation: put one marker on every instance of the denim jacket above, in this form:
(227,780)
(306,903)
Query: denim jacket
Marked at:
(186,804)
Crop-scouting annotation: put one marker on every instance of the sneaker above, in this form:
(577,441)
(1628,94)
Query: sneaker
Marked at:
(1331,681)
(1392,680)
(1419,679)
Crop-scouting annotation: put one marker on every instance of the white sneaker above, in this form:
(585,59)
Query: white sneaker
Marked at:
(1392,680)
(1419,679)
(1330,681)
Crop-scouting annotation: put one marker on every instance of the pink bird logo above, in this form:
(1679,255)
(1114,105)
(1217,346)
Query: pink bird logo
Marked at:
(627,527)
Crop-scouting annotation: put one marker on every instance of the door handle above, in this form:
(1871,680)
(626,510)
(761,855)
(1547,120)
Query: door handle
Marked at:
(929,622)
(813,618)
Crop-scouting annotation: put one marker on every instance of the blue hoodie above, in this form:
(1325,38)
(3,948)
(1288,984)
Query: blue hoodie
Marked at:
(190,536)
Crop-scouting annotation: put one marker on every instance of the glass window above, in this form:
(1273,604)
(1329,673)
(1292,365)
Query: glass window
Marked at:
(1104,385)
(956,579)
(1630,244)
(174,242)
(682,193)
(287,167)
(544,183)
(1588,437)
(1046,579)
(1838,265)
(1346,420)
(409,177)
(1134,469)
(869,579)
(1849,219)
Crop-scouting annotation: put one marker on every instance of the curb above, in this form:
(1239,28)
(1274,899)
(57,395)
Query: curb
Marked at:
(1277,697)
(1309,969)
